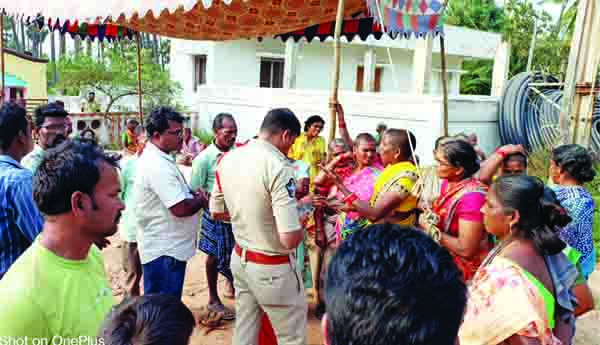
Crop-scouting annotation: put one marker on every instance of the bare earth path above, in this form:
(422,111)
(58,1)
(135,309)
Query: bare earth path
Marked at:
(195,296)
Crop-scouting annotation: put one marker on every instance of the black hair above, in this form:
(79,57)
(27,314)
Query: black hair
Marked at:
(149,320)
(516,156)
(439,141)
(392,284)
(219,119)
(364,137)
(88,130)
(281,119)
(576,161)
(158,121)
(13,121)
(461,154)
(403,139)
(52,109)
(133,122)
(73,166)
(541,215)
(312,120)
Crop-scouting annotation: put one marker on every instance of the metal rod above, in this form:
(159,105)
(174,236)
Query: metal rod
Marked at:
(444,83)
(339,19)
(546,84)
(139,76)
(552,103)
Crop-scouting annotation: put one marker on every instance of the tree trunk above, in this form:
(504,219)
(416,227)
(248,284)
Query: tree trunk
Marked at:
(100,50)
(13,27)
(77,41)
(563,6)
(63,45)
(53,57)
(155,51)
(88,47)
(23,43)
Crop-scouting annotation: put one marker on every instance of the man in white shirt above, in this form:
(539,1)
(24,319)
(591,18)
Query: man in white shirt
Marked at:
(166,207)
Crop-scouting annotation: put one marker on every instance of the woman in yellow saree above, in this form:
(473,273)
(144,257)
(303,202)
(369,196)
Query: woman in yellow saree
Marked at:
(310,147)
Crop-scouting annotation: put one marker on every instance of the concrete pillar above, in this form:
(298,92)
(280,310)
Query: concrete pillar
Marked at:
(422,65)
(291,61)
(370,64)
(501,68)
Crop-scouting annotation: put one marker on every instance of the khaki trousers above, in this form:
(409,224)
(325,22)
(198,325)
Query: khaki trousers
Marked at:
(273,289)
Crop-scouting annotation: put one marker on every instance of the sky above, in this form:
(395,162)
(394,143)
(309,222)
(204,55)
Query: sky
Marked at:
(552,9)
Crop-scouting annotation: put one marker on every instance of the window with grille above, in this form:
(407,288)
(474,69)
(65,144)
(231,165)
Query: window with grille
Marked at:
(199,70)
(271,72)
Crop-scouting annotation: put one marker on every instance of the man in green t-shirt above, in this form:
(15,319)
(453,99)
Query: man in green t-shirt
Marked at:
(58,290)
(90,105)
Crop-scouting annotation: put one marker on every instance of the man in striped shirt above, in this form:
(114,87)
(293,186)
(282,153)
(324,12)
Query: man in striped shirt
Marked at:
(20,220)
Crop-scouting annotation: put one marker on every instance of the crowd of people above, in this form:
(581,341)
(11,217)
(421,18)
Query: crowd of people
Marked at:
(474,251)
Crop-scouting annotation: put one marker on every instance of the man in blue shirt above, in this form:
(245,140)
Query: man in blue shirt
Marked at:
(20,220)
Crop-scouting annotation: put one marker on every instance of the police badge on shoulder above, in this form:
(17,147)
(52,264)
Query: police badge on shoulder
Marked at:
(291,188)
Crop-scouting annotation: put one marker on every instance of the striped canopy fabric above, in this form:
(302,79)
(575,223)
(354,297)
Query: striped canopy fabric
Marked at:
(215,20)
(409,17)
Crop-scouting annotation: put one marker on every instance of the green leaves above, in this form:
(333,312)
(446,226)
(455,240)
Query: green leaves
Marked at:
(115,75)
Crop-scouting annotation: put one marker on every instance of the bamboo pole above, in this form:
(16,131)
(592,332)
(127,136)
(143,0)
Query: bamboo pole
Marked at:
(139,77)
(444,83)
(339,19)
(2,63)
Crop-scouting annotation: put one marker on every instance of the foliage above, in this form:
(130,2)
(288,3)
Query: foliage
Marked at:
(115,75)
(515,21)
(204,136)
(478,78)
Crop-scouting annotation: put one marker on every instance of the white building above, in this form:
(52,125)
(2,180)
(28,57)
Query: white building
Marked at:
(247,78)
(303,65)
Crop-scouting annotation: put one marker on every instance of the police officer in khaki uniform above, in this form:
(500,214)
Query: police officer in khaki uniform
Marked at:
(255,187)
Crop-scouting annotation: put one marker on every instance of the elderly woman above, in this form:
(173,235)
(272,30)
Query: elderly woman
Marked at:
(455,219)
(310,147)
(570,168)
(521,294)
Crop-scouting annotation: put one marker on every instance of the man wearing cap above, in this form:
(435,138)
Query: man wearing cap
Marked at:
(262,207)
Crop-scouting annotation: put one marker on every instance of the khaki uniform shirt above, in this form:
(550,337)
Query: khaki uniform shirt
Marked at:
(255,184)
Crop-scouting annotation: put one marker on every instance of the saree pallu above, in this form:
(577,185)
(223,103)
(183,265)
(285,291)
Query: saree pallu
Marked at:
(398,178)
(504,302)
(131,141)
(362,185)
(463,201)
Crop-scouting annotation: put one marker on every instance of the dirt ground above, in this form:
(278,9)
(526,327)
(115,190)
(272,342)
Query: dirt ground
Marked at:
(195,294)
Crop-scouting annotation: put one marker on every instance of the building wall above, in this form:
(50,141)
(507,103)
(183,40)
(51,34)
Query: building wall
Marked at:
(30,70)
(420,114)
(237,63)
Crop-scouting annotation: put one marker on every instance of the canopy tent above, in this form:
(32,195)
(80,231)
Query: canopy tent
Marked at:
(217,20)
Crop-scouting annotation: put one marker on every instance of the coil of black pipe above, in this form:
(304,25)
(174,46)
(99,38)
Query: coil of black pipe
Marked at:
(528,119)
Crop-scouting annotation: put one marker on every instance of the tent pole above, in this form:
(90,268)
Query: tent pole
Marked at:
(444,83)
(339,19)
(139,77)
(2,66)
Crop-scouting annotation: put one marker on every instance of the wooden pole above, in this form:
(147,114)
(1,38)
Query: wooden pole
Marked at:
(2,66)
(444,83)
(139,76)
(339,19)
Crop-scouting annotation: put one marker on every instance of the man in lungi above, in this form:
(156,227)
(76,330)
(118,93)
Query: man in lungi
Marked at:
(217,238)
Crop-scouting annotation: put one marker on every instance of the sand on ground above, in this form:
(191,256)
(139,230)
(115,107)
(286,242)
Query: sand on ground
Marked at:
(195,295)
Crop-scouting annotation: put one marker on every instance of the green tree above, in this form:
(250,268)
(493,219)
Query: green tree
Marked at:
(115,75)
